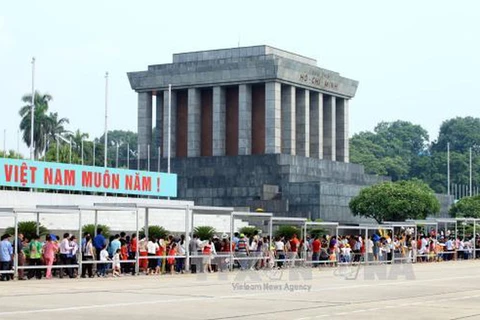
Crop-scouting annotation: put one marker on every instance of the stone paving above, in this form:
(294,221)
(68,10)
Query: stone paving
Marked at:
(448,290)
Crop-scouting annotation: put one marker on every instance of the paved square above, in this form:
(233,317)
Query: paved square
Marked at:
(448,290)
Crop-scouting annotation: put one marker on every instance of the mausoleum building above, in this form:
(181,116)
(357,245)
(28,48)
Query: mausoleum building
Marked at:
(252,126)
(241,101)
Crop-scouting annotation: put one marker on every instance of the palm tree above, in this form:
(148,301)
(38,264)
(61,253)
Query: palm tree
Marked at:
(57,126)
(42,121)
(79,136)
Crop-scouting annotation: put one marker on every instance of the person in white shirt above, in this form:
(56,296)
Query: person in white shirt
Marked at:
(280,251)
(369,247)
(104,257)
(65,251)
(152,247)
(346,253)
(450,249)
(72,256)
(181,251)
(423,248)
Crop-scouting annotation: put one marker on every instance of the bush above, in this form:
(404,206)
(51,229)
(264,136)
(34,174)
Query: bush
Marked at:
(248,231)
(29,229)
(205,232)
(90,228)
(155,231)
(287,231)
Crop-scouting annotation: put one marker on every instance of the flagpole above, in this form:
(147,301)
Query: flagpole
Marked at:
(128,155)
(138,157)
(116,157)
(45,147)
(169,125)
(470,178)
(70,161)
(58,141)
(82,152)
(448,170)
(106,119)
(32,112)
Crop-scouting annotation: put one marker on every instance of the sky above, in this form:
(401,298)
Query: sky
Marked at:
(415,60)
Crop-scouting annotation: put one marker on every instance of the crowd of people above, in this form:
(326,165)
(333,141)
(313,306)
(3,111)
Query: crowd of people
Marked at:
(117,255)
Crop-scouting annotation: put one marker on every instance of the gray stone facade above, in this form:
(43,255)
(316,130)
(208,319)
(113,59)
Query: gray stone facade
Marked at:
(218,129)
(244,119)
(273,117)
(307,187)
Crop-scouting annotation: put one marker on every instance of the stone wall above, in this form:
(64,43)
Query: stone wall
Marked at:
(307,187)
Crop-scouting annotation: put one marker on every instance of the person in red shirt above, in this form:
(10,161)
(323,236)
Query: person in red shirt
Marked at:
(294,244)
(316,247)
(207,260)
(125,267)
(171,257)
(133,251)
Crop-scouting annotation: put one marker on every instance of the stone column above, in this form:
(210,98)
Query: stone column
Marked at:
(342,142)
(288,120)
(302,103)
(329,124)
(173,126)
(194,123)
(144,122)
(316,125)
(273,117)
(159,123)
(244,119)
(219,121)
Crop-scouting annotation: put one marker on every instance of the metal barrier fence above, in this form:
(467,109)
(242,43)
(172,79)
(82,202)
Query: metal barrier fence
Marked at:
(400,246)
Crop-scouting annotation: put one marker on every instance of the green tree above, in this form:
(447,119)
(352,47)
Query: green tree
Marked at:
(57,126)
(248,230)
(395,201)
(205,232)
(401,138)
(78,137)
(124,140)
(90,228)
(28,229)
(390,149)
(63,154)
(461,133)
(11,154)
(288,231)
(363,150)
(155,231)
(42,120)
(468,207)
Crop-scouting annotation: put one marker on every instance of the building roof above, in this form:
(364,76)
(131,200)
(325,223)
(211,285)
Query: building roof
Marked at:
(243,65)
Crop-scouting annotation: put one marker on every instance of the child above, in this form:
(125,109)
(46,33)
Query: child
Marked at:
(103,264)
(125,267)
(171,257)
(116,263)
